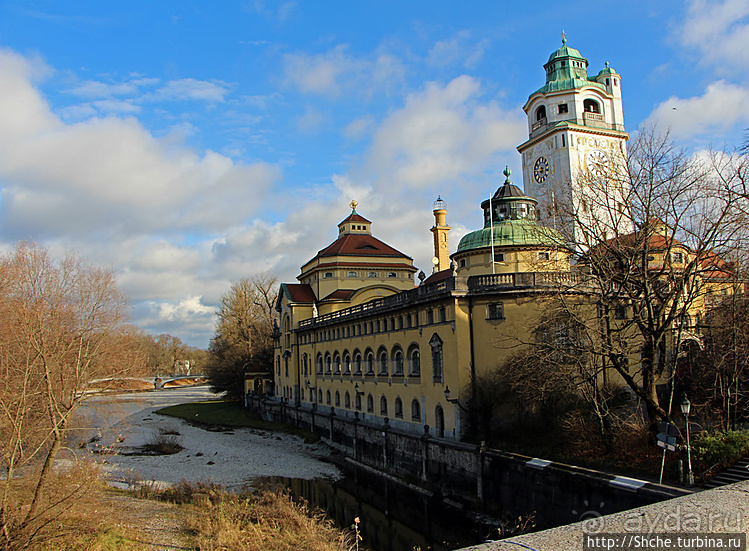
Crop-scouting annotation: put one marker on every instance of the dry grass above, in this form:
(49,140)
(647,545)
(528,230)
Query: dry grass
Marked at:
(265,521)
(76,516)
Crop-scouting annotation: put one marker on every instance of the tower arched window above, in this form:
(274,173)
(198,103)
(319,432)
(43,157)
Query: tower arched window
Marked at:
(319,363)
(328,364)
(383,406)
(337,363)
(357,363)
(370,403)
(369,364)
(541,113)
(337,398)
(347,363)
(591,106)
(347,400)
(357,402)
(415,410)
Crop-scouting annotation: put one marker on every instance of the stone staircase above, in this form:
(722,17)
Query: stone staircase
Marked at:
(737,472)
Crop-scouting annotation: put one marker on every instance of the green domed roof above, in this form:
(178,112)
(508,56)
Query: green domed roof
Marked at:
(511,233)
(565,52)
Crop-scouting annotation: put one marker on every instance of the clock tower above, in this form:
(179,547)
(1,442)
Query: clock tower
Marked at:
(575,157)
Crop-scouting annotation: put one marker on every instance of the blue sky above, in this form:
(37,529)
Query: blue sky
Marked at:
(189,144)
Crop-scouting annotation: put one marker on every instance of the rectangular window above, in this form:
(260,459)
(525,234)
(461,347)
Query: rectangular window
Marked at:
(400,322)
(495,311)
(543,256)
(443,315)
(328,275)
(499,257)
(430,316)
(563,145)
(563,108)
(353,274)
(377,326)
(371,274)
(677,258)
(620,312)
(392,274)
(462,263)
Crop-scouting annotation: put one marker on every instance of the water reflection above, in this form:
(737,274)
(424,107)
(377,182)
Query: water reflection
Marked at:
(394,517)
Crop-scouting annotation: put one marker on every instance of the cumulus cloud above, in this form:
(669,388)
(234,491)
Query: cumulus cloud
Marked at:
(720,31)
(441,134)
(108,175)
(722,106)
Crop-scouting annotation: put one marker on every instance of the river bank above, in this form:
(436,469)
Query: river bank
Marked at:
(116,427)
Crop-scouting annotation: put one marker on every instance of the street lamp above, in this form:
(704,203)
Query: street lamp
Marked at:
(455,401)
(685,407)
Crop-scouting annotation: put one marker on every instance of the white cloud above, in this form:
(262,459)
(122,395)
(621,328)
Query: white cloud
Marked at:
(191,89)
(457,51)
(108,175)
(310,120)
(358,128)
(720,30)
(336,71)
(721,107)
(442,134)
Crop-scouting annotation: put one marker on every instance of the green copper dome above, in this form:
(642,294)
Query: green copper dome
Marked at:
(567,69)
(510,216)
(511,233)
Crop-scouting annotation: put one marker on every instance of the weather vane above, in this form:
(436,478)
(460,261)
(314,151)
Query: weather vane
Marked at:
(353,205)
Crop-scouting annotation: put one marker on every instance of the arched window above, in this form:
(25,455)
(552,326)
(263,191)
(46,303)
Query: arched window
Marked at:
(369,364)
(398,408)
(591,106)
(347,400)
(327,397)
(357,401)
(337,363)
(347,363)
(337,398)
(319,396)
(436,344)
(311,395)
(357,363)
(382,364)
(414,362)
(370,403)
(278,365)
(398,362)
(328,364)
(319,363)
(304,364)
(415,410)
(541,113)
(383,405)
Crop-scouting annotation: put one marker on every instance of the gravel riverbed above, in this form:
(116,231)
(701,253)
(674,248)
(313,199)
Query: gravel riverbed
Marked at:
(121,424)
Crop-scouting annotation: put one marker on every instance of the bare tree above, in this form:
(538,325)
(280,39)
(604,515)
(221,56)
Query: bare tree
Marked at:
(243,339)
(61,326)
(650,258)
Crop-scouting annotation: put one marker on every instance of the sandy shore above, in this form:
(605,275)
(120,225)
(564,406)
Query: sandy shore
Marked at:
(122,423)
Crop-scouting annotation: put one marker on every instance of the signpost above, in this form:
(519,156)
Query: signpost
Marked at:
(666,440)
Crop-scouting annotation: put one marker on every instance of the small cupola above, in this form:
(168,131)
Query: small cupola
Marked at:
(355,224)
(566,63)
(508,203)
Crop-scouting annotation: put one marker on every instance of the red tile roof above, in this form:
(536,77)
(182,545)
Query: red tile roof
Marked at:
(439,276)
(360,245)
(298,292)
(354,217)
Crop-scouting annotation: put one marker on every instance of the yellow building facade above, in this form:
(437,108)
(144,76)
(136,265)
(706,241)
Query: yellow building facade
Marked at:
(358,338)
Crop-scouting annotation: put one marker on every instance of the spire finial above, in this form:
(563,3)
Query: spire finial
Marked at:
(564,38)
(353,205)
(507,173)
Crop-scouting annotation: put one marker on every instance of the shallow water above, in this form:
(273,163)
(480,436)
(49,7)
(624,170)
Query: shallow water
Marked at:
(394,517)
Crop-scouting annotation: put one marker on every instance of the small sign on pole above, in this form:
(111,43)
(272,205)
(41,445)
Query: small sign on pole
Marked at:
(666,440)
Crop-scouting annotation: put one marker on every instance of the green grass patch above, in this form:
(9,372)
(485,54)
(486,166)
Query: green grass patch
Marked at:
(224,414)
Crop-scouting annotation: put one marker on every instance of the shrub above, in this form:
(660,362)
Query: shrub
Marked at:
(722,447)
(163,444)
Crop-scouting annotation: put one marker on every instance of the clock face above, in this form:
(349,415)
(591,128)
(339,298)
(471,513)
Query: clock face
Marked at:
(541,170)
(597,162)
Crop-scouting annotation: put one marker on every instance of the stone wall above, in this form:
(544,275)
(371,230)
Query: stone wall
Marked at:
(502,483)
